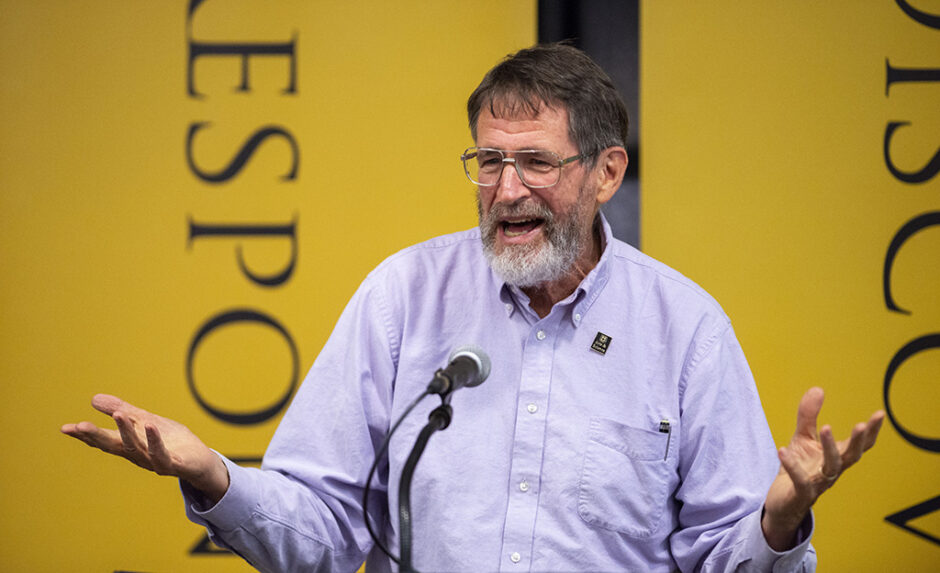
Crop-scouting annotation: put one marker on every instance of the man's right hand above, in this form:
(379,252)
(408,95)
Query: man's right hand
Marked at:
(153,442)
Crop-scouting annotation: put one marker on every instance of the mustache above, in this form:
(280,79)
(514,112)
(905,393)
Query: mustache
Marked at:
(527,209)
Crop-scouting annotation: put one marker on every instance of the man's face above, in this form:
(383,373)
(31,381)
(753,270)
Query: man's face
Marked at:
(534,236)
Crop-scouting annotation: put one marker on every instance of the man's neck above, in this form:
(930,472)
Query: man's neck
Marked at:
(543,297)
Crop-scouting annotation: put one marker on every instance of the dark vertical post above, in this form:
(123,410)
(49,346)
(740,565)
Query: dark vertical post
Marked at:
(609,31)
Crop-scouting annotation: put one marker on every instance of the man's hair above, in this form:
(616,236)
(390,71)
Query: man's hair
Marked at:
(555,75)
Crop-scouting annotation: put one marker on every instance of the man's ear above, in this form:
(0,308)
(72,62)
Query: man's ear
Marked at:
(609,169)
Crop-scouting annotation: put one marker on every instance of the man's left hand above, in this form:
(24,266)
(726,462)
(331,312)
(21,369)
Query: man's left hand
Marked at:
(810,465)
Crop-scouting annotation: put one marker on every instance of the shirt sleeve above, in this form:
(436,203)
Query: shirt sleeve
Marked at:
(302,511)
(728,461)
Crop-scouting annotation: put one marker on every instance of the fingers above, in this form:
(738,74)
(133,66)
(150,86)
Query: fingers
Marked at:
(106,403)
(808,412)
(813,460)
(105,440)
(832,459)
(136,438)
(862,439)
(874,426)
(159,456)
(129,438)
(126,441)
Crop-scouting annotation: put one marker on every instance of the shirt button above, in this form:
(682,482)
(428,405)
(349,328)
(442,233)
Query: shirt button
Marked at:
(577,317)
(540,335)
(515,557)
(523,486)
(508,307)
(532,408)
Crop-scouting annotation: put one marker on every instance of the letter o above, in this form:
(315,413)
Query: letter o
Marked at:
(229,317)
(910,349)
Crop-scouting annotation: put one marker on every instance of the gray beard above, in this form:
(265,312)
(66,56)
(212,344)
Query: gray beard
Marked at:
(532,264)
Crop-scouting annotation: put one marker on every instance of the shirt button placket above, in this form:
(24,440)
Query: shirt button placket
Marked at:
(528,445)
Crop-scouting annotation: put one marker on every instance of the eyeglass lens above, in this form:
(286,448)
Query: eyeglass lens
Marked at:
(536,168)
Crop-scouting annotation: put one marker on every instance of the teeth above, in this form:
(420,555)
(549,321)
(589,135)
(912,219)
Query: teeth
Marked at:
(518,228)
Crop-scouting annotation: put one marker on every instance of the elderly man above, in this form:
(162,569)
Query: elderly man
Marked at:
(620,429)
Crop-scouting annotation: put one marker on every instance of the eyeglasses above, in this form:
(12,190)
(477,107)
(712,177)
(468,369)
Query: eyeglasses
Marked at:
(536,168)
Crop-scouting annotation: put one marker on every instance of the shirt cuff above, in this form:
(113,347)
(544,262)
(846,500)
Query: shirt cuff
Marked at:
(764,558)
(235,507)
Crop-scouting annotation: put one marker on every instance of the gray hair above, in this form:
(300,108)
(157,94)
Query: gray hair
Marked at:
(555,75)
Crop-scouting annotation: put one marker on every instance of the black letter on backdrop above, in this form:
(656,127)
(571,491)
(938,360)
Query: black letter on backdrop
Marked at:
(921,176)
(244,50)
(902,517)
(242,418)
(197,230)
(916,224)
(923,17)
(910,349)
(893,75)
(244,154)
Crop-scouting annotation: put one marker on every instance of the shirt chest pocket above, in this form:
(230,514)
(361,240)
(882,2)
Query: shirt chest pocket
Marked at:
(625,478)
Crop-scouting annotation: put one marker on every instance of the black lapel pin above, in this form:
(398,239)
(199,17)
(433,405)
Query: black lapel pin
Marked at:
(601,343)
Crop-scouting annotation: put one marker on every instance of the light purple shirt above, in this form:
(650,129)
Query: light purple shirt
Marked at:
(653,455)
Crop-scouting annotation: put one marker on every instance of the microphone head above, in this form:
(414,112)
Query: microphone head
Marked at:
(477,355)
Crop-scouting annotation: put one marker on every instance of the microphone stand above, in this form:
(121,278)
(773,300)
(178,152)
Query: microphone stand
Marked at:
(438,419)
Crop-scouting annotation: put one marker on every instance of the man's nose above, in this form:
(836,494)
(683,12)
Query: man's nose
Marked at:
(510,187)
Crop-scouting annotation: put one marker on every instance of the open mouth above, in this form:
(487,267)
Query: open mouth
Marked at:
(520,227)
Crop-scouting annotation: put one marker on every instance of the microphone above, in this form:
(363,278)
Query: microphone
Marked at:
(469,366)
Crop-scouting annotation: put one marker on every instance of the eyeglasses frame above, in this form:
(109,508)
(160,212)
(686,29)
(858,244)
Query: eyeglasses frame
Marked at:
(473,150)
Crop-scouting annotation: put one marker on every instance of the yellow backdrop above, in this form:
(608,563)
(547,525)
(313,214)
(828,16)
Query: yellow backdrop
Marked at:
(127,196)
(764,179)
